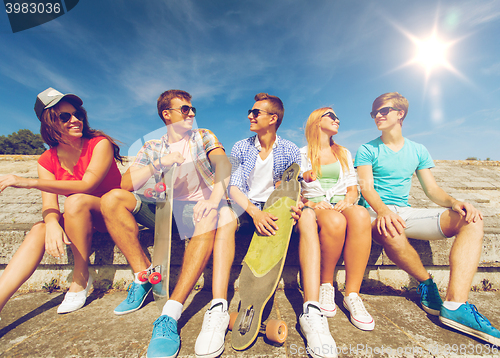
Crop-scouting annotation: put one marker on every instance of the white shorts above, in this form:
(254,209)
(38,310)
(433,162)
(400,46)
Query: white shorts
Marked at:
(421,224)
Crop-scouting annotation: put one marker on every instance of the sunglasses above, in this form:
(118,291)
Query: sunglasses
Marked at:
(255,112)
(185,109)
(332,116)
(383,111)
(66,116)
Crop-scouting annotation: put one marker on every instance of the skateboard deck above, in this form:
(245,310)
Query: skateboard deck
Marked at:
(162,240)
(264,261)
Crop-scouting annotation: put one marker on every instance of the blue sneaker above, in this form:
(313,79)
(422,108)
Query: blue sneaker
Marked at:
(468,320)
(165,341)
(429,297)
(137,293)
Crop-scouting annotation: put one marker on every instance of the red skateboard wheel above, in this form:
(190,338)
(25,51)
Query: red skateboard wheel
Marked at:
(155,278)
(143,276)
(160,187)
(148,193)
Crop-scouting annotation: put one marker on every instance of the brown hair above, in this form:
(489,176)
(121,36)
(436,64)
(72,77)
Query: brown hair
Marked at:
(276,106)
(313,143)
(50,129)
(397,100)
(166,97)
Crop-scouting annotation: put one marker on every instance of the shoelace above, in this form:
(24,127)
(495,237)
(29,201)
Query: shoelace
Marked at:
(212,321)
(317,323)
(425,293)
(357,306)
(326,295)
(478,316)
(163,327)
(132,287)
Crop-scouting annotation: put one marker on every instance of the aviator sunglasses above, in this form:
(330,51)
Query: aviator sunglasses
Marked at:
(332,116)
(185,109)
(255,112)
(383,111)
(66,116)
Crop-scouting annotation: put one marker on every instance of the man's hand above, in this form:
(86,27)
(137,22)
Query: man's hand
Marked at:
(467,211)
(55,239)
(390,223)
(170,159)
(265,223)
(202,209)
(297,211)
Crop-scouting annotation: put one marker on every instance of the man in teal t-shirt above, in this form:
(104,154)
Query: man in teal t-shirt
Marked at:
(385,169)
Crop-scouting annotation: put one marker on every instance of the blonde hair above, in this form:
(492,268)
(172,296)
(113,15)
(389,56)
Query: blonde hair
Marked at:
(312,133)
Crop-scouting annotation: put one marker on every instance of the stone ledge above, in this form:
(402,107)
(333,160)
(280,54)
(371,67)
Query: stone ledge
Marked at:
(475,181)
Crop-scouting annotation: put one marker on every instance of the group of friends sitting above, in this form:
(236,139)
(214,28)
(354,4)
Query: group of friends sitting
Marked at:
(215,196)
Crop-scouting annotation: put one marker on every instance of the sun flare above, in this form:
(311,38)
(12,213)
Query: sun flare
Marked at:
(431,53)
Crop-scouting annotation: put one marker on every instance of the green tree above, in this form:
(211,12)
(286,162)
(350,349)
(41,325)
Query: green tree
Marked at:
(24,142)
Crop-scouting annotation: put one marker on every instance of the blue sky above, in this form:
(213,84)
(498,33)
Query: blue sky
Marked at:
(118,56)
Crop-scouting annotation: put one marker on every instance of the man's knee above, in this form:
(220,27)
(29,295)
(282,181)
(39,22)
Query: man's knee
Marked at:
(307,220)
(394,243)
(453,224)
(77,203)
(117,198)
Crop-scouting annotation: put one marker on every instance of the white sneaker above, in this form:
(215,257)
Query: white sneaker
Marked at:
(210,341)
(75,300)
(314,327)
(359,315)
(327,300)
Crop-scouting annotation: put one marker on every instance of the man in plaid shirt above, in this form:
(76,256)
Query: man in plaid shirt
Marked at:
(199,186)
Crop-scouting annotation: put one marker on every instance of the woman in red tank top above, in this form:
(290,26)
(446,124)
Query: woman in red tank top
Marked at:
(80,164)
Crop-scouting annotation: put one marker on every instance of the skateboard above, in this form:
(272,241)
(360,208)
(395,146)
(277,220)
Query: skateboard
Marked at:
(262,268)
(159,276)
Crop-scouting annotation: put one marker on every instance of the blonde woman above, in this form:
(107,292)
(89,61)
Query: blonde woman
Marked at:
(330,190)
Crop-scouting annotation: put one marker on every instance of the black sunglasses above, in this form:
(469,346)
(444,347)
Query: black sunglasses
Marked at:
(255,112)
(185,109)
(66,116)
(332,116)
(383,111)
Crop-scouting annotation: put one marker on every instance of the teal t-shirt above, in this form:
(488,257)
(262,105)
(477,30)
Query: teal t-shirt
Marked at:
(392,171)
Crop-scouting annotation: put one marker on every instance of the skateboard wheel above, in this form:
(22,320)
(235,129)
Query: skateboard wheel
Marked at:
(232,320)
(148,193)
(143,276)
(276,330)
(155,278)
(309,176)
(160,187)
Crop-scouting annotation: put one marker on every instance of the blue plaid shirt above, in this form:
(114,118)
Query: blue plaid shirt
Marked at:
(244,156)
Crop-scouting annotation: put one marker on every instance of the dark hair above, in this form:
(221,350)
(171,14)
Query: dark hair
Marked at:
(276,106)
(166,97)
(50,129)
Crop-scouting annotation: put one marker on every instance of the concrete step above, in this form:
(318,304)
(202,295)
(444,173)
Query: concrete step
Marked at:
(475,181)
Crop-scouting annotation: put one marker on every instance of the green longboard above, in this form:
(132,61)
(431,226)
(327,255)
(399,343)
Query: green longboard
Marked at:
(264,261)
(162,239)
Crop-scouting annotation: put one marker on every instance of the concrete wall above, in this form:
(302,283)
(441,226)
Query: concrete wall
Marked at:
(475,181)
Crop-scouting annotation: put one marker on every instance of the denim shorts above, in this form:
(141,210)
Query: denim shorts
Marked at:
(421,224)
(145,209)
